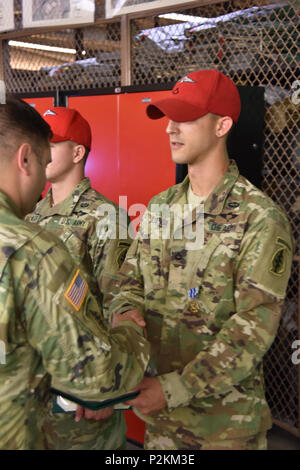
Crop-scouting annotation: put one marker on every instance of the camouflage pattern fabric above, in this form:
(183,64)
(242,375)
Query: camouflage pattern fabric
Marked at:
(61,432)
(257,442)
(211,313)
(74,221)
(52,333)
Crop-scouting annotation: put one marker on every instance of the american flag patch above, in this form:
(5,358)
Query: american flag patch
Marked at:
(76,291)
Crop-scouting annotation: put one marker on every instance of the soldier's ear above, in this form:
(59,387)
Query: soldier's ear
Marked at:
(79,152)
(224,125)
(24,157)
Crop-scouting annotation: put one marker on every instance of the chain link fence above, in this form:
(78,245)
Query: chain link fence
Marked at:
(256,43)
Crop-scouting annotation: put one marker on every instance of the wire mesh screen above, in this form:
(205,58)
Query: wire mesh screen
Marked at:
(281,374)
(254,42)
(68,59)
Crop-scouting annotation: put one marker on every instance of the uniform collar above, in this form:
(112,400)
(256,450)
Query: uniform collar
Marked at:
(8,205)
(65,207)
(215,202)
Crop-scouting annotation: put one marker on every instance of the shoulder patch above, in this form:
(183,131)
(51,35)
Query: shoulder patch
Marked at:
(279,258)
(278,263)
(76,291)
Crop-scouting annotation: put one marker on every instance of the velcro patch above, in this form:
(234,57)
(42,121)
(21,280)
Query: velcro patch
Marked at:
(278,262)
(279,258)
(76,291)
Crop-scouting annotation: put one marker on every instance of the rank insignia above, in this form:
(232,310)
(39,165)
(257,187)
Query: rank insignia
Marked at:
(76,291)
(49,113)
(233,205)
(186,79)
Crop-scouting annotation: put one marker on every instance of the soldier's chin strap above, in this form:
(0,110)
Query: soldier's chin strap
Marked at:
(95,405)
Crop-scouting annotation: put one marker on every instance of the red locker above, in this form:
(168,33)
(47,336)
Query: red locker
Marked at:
(146,167)
(103,163)
(130,153)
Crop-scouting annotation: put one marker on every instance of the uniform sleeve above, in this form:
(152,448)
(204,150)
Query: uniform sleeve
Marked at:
(84,358)
(131,296)
(108,254)
(261,278)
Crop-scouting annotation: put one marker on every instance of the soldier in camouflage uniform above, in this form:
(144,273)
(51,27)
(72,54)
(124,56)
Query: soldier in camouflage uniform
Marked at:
(211,309)
(52,332)
(71,209)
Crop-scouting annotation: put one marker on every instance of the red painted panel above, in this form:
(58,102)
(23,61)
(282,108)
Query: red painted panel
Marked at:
(135,427)
(103,163)
(146,166)
(40,104)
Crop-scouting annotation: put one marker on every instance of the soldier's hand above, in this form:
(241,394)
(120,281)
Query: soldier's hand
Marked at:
(151,398)
(97,415)
(79,413)
(132,315)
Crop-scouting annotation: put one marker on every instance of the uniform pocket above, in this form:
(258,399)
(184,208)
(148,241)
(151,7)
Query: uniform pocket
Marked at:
(151,262)
(198,260)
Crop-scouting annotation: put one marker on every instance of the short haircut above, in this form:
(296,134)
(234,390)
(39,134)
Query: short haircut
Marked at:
(19,123)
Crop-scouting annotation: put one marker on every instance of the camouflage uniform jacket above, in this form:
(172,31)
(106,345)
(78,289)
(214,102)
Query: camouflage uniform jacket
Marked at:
(211,313)
(75,221)
(50,329)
